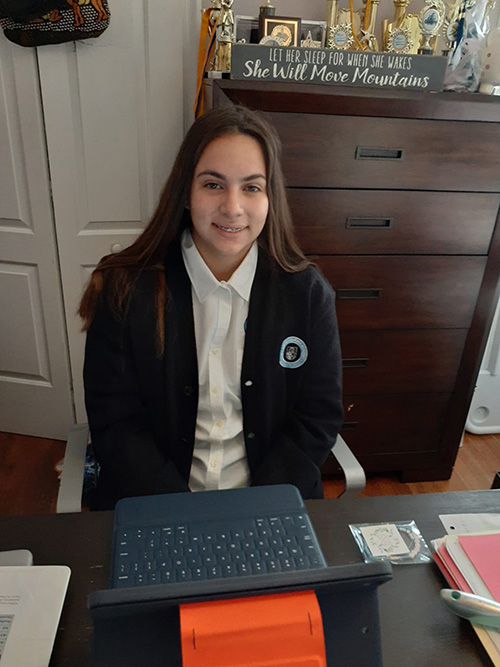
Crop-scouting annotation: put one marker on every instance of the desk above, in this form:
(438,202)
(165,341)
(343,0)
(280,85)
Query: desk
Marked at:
(416,628)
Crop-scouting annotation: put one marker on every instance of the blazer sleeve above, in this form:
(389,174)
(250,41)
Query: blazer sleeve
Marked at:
(131,461)
(316,414)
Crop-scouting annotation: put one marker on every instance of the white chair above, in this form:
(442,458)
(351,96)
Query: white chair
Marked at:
(71,479)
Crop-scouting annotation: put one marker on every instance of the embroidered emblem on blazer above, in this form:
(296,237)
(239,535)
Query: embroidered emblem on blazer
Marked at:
(293,352)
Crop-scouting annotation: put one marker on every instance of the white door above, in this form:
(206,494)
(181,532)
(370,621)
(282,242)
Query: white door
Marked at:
(114,115)
(35,390)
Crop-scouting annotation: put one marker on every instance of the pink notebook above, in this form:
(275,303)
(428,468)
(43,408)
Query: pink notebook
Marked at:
(452,570)
(484,553)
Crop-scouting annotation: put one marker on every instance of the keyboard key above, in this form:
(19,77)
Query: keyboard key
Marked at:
(258,568)
(214,572)
(168,577)
(273,565)
(199,573)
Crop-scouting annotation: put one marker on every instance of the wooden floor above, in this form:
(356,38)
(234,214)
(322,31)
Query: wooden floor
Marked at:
(29,482)
(477,462)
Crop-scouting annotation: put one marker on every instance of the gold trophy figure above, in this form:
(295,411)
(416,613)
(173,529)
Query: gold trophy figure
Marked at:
(368,30)
(215,13)
(403,34)
(226,36)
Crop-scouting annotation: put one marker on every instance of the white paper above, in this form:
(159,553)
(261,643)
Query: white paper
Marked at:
(384,540)
(461,524)
(31,600)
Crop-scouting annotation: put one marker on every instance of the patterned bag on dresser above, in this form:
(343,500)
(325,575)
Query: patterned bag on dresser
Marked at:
(80,19)
(26,10)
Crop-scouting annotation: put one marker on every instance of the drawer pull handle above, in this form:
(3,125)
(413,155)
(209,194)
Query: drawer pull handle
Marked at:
(346,294)
(349,426)
(354,363)
(365,153)
(369,223)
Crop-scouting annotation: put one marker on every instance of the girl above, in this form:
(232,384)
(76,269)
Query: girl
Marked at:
(212,357)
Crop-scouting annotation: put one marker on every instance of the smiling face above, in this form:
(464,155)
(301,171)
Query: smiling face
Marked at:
(228,201)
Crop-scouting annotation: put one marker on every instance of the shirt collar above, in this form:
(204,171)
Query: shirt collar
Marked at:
(203,280)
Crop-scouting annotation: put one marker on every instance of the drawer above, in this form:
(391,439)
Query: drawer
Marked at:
(389,153)
(387,362)
(393,222)
(394,424)
(389,292)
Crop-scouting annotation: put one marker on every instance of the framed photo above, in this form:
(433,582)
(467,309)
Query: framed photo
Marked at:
(286,29)
(317,30)
(246,28)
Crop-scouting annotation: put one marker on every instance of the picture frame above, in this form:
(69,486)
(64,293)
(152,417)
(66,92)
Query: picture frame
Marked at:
(317,30)
(285,28)
(246,28)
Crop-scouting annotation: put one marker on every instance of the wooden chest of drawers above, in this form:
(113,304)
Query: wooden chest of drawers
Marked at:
(396,197)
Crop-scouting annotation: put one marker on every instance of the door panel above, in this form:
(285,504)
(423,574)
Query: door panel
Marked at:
(114,120)
(35,386)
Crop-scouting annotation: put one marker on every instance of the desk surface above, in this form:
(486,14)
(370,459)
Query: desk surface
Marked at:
(416,628)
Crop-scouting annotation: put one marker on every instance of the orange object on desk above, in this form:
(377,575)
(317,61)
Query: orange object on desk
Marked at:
(278,630)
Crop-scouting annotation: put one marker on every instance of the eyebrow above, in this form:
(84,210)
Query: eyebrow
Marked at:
(215,174)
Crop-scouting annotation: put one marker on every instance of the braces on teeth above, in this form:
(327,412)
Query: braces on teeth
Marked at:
(230,229)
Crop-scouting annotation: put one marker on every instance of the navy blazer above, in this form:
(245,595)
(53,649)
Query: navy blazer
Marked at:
(142,407)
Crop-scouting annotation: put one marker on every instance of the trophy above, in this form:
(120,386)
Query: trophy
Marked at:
(403,34)
(226,36)
(368,38)
(343,26)
(331,14)
(430,21)
(215,11)
(268,9)
(454,12)
(340,36)
(354,18)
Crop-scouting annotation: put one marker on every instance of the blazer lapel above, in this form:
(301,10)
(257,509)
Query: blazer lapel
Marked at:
(180,360)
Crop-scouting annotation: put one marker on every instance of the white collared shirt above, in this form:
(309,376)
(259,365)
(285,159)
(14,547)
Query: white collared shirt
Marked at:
(220,310)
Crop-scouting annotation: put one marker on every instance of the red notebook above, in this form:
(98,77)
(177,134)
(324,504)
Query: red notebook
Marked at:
(484,553)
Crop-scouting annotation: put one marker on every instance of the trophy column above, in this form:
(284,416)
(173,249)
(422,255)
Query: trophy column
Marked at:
(331,14)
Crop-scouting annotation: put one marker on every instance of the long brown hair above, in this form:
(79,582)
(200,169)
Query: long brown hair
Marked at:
(116,274)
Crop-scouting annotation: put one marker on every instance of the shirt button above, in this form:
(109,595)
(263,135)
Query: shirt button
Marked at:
(248,383)
(219,423)
(214,350)
(214,464)
(215,390)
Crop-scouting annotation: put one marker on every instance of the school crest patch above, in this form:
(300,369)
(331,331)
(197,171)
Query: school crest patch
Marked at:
(293,352)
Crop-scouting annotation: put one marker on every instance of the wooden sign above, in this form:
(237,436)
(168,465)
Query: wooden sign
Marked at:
(254,62)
